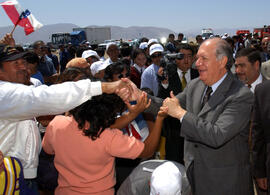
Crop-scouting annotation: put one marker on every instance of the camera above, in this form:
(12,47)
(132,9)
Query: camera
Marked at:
(168,62)
(174,56)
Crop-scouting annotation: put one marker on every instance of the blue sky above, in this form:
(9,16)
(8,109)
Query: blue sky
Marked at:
(176,15)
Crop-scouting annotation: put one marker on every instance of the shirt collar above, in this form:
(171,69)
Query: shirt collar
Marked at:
(258,81)
(179,71)
(140,69)
(216,84)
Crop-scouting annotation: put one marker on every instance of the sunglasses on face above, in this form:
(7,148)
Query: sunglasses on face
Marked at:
(156,55)
(123,75)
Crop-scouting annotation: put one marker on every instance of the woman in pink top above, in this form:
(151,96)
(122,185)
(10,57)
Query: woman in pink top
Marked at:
(85,148)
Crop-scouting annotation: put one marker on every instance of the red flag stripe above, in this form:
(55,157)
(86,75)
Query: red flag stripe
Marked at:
(12,13)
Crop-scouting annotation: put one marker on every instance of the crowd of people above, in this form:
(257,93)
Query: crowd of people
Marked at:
(179,118)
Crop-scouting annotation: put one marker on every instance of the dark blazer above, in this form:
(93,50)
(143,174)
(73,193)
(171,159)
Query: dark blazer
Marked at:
(216,137)
(174,147)
(260,129)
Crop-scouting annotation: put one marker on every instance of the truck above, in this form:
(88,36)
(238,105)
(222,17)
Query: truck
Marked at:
(262,32)
(93,35)
(60,38)
(206,33)
(242,32)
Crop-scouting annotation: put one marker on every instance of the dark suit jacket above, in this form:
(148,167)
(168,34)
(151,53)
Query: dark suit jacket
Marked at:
(260,128)
(216,137)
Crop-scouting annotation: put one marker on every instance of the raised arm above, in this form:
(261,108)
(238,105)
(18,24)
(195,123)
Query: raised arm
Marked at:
(134,111)
(19,102)
(152,141)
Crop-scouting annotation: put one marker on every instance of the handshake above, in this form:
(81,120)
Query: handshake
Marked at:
(129,92)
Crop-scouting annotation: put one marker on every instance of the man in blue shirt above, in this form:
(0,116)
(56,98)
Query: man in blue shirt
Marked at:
(149,77)
(45,66)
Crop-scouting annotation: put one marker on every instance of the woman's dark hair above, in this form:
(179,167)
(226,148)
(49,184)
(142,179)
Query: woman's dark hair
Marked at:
(101,112)
(100,51)
(116,68)
(125,50)
(73,74)
(136,52)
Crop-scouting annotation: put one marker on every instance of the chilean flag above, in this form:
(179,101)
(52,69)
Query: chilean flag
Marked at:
(21,17)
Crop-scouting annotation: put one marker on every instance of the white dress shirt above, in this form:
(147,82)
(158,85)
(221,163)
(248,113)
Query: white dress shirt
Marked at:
(19,134)
(255,83)
(187,75)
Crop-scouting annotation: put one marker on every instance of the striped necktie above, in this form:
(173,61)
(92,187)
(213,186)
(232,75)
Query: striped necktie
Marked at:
(207,95)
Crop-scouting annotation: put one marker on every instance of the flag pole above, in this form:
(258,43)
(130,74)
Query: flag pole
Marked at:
(16,24)
(13,29)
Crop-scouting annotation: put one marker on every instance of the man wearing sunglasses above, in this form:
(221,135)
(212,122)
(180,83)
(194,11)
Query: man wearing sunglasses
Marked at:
(149,76)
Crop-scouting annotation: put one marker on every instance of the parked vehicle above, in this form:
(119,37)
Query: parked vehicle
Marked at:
(60,38)
(242,32)
(262,32)
(206,33)
(93,35)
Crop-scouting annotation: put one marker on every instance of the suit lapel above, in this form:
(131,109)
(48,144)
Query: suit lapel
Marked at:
(198,97)
(177,87)
(219,95)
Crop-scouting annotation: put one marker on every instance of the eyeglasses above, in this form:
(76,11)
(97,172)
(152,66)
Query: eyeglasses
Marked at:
(156,55)
(123,75)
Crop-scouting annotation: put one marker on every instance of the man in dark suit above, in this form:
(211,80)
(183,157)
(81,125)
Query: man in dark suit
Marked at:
(260,127)
(215,112)
(179,74)
(247,68)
